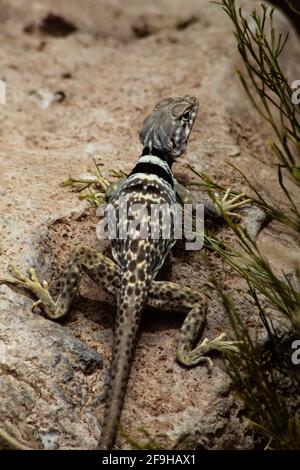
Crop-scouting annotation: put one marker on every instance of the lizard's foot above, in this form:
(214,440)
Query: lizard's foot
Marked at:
(39,290)
(198,355)
(228,204)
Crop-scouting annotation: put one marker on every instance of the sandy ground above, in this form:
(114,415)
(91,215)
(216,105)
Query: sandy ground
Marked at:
(78,90)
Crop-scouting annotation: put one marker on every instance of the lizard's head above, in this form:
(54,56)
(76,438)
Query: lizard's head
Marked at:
(168,127)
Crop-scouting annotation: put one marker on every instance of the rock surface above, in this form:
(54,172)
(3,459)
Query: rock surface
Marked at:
(79,82)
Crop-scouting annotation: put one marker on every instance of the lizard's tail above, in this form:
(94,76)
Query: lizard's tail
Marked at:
(131,302)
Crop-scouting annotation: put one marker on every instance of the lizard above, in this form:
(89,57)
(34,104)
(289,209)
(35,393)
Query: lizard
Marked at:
(130,276)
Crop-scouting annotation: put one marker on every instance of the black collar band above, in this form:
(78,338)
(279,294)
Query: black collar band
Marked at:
(149,168)
(158,153)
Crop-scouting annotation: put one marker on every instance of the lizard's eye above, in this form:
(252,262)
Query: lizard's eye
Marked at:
(186,116)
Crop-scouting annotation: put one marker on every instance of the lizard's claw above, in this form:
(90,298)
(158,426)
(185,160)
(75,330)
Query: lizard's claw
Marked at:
(219,344)
(228,204)
(199,354)
(18,279)
(36,304)
(30,282)
(37,288)
(32,275)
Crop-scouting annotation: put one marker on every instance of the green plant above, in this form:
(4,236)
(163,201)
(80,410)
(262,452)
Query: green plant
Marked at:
(263,374)
(260,47)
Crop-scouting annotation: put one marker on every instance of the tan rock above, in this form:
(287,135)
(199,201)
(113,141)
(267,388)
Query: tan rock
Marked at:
(112,70)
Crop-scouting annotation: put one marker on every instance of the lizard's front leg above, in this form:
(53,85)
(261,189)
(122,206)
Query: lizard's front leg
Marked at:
(254,218)
(170,296)
(83,259)
(213,209)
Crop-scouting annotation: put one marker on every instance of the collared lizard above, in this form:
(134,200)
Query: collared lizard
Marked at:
(131,276)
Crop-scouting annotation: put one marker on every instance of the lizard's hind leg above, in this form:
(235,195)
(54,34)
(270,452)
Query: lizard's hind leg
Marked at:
(82,259)
(170,296)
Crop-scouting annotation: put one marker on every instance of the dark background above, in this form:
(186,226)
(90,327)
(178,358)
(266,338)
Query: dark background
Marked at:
(293,15)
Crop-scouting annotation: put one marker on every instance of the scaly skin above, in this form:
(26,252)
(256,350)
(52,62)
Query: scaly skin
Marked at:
(131,276)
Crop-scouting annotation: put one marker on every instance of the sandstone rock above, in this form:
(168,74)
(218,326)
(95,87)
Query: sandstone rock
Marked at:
(51,374)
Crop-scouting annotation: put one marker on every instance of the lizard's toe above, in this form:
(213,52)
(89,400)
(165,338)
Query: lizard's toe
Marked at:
(32,275)
(18,275)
